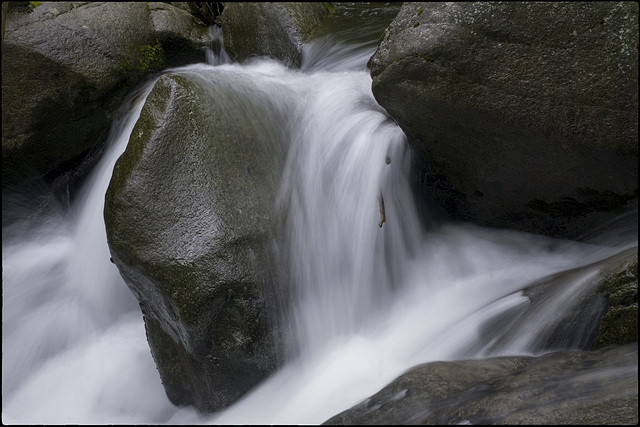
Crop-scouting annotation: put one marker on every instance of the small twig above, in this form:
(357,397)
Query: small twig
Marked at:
(382,217)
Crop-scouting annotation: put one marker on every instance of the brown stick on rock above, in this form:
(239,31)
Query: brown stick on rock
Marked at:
(381,203)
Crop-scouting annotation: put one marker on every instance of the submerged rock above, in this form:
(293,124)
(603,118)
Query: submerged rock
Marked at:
(189,216)
(275,30)
(598,387)
(580,309)
(525,114)
(584,308)
(67,67)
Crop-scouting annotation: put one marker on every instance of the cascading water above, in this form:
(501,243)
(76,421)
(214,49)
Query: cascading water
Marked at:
(71,328)
(369,298)
(347,161)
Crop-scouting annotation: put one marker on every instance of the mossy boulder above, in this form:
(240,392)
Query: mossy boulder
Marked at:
(190,218)
(524,114)
(66,69)
(274,30)
(591,387)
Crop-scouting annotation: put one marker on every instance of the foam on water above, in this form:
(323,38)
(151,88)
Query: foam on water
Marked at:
(367,302)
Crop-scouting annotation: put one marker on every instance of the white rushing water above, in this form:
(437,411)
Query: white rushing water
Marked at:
(369,301)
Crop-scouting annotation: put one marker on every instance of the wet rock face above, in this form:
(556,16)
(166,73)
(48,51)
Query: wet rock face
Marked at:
(274,30)
(620,324)
(601,311)
(93,54)
(525,115)
(598,387)
(584,386)
(189,215)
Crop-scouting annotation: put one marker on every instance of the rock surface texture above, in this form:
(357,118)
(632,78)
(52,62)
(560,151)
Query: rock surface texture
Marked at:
(189,215)
(274,30)
(558,388)
(66,69)
(524,114)
(602,310)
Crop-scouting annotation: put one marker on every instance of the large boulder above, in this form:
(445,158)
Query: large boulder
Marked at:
(190,218)
(66,68)
(274,30)
(524,114)
(599,387)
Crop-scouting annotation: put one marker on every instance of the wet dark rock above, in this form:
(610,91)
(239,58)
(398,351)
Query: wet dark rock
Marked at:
(582,387)
(274,30)
(620,323)
(93,55)
(525,114)
(598,302)
(190,218)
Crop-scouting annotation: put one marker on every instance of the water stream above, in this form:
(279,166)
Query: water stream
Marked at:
(369,301)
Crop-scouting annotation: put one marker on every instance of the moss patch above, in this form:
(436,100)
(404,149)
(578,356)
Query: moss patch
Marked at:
(123,68)
(329,7)
(151,58)
(620,324)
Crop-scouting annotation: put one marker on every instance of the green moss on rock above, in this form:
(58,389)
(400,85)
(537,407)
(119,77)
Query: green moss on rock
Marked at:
(123,68)
(152,58)
(330,8)
(620,324)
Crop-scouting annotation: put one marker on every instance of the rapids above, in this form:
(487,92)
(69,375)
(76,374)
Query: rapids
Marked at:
(368,301)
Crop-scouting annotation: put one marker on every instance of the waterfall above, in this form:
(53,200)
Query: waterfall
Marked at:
(369,298)
(73,339)
(346,162)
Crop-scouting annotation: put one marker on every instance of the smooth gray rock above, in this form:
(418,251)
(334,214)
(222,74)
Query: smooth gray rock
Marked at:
(275,30)
(66,69)
(525,114)
(183,37)
(190,217)
(599,387)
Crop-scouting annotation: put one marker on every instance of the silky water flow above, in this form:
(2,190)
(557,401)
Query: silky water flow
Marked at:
(372,291)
